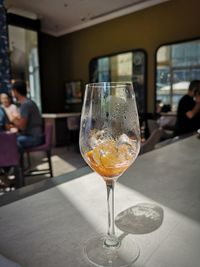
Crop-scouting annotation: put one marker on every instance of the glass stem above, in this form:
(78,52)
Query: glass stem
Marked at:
(111,239)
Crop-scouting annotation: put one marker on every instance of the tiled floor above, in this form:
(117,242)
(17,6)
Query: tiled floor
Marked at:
(64,159)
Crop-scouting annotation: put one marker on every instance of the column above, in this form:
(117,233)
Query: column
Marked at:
(4,51)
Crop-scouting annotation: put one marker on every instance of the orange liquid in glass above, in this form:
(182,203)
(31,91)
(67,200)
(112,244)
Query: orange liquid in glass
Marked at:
(108,160)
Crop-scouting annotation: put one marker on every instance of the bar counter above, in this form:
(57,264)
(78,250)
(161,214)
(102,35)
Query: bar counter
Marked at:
(48,223)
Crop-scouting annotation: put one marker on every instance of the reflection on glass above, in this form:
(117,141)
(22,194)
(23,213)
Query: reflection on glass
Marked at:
(177,65)
(123,67)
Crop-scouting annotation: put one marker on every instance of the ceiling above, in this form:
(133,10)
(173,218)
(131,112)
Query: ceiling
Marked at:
(59,17)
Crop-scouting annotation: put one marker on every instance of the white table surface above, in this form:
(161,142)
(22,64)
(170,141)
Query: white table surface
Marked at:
(49,228)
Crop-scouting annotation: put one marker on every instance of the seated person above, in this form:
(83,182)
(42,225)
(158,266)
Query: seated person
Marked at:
(163,121)
(29,120)
(165,108)
(6,102)
(196,110)
(159,105)
(166,119)
(186,124)
(3,120)
(10,109)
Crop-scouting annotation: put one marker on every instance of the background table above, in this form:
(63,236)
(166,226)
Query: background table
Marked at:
(50,227)
(59,121)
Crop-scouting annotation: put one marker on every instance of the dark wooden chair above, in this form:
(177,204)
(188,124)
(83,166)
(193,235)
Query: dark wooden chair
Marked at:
(46,147)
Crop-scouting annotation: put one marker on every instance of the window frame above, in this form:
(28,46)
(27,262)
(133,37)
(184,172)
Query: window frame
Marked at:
(91,66)
(173,68)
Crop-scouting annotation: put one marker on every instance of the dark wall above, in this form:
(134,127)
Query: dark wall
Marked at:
(51,83)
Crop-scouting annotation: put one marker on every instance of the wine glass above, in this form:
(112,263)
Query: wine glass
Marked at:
(109,143)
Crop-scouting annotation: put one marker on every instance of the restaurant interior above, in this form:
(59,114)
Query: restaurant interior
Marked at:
(51,201)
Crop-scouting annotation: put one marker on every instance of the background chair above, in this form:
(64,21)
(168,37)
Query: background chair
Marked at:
(10,157)
(166,123)
(152,125)
(46,147)
(153,139)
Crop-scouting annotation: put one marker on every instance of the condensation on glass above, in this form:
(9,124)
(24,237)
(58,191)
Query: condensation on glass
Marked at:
(123,67)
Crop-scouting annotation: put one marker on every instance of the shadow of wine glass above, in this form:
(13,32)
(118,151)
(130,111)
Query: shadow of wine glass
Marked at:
(140,219)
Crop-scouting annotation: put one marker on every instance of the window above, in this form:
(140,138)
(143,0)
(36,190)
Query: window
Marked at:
(177,65)
(123,67)
(24,54)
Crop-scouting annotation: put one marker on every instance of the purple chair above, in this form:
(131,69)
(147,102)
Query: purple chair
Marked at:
(46,147)
(10,156)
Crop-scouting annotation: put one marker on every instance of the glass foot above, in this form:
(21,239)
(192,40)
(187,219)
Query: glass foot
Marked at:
(99,254)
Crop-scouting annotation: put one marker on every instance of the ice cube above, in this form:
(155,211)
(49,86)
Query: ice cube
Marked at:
(127,145)
(99,137)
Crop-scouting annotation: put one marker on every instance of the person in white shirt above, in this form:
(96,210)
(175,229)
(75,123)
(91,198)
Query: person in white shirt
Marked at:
(10,109)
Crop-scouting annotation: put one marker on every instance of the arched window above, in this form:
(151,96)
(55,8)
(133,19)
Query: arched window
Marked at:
(125,66)
(176,65)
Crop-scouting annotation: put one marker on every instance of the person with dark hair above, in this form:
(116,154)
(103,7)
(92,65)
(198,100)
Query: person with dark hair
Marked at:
(185,123)
(6,103)
(196,110)
(29,120)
